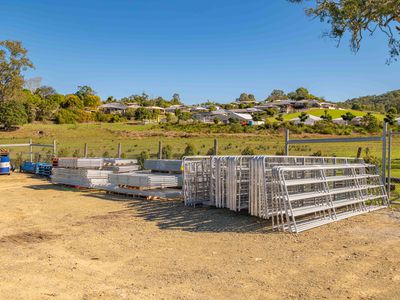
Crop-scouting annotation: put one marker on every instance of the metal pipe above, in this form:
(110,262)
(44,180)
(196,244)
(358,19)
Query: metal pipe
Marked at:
(215,147)
(119,150)
(384,153)
(159,150)
(85,150)
(335,140)
(389,167)
(14,145)
(287,142)
(43,145)
(54,148)
(30,151)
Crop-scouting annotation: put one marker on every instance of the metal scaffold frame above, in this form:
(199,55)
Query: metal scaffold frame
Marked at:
(382,138)
(30,144)
(259,185)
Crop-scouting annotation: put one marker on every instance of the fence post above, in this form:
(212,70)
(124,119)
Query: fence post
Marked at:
(215,147)
(119,150)
(286,142)
(389,162)
(85,151)
(384,153)
(30,151)
(54,148)
(159,150)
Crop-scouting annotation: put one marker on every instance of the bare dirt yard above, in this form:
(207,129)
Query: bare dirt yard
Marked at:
(61,243)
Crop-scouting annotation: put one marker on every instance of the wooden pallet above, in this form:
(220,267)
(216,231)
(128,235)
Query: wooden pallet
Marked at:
(140,188)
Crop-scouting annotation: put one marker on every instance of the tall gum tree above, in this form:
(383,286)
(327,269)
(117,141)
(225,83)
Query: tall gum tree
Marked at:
(13,61)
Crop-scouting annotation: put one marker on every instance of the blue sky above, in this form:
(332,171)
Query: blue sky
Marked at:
(204,50)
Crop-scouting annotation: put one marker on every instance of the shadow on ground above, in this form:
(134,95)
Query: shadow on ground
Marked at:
(174,215)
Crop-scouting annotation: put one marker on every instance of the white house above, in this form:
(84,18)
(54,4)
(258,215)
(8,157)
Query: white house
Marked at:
(311,120)
(113,108)
(398,120)
(356,121)
(242,117)
(339,121)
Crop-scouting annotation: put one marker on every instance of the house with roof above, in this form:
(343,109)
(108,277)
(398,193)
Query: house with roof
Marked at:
(198,108)
(241,117)
(327,105)
(173,108)
(113,108)
(339,121)
(356,121)
(311,120)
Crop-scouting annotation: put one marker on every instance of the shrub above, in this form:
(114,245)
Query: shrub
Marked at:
(190,150)
(167,152)
(66,116)
(63,152)
(76,153)
(142,157)
(248,151)
(12,113)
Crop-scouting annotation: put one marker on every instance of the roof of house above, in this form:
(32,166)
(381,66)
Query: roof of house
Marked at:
(310,117)
(134,105)
(247,117)
(245,110)
(219,112)
(114,105)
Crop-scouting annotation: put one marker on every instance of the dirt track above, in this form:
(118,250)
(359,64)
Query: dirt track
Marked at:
(58,243)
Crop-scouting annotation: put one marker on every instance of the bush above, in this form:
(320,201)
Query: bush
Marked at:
(210,151)
(63,152)
(66,116)
(190,150)
(102,117)
(248,151)
(167,152)
(12,113)
(76,153)
(142,157)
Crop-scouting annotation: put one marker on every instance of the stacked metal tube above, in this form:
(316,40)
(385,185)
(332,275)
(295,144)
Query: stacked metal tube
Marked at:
(245,182)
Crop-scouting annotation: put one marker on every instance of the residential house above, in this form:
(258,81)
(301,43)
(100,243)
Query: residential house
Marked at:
(356,121)
(195,109)
(241,117)
(339,121)
(113,108)
(311,120)
(327,105)
(173,108)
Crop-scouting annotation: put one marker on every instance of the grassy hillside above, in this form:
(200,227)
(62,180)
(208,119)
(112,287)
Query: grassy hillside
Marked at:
(377,102)
(337,113)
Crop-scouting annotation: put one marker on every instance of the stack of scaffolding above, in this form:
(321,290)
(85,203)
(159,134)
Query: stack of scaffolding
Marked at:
(163,165)
(144,180)
(89,172)
(161,180)
(118,165)
(248,182)
(75,163)
(82,177)
(305,197)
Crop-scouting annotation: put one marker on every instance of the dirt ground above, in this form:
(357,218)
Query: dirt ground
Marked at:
(60,243)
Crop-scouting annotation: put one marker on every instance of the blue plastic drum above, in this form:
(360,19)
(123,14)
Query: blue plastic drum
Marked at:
(4,164)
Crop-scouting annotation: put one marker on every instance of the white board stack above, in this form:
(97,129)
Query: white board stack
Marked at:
(76,163)
(145,180)
(163,165)
(80,177)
